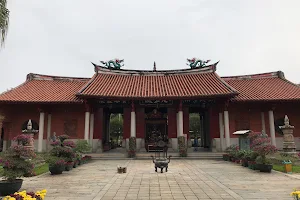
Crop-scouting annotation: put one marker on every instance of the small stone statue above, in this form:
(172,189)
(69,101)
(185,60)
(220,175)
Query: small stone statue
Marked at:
(289,145)
(29,125)
(286,121)
(53,137)
(29,130)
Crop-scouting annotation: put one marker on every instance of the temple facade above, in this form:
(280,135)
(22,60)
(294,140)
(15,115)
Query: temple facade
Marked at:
(153,104)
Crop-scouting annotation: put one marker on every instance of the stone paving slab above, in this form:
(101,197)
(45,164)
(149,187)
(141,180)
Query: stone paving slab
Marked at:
(185,179)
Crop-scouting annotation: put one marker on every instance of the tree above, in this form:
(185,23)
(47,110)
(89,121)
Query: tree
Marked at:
(4,20)
(116,126)
(195,124)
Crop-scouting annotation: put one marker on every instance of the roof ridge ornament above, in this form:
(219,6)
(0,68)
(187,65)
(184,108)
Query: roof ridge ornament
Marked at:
(154,67)
(113,63)
(197,63)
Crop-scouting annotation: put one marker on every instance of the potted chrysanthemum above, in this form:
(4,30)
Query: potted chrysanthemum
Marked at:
(262,146)
(16,162)
(56,164)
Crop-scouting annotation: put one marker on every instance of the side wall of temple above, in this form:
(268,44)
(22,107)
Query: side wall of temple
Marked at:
(70,119)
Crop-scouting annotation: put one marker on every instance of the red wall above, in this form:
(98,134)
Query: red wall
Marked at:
(172,123)
(292,110)
(98,124)
(253,112)
(186,121)
(126,123)
(16,115)
(214,123)
(61,113)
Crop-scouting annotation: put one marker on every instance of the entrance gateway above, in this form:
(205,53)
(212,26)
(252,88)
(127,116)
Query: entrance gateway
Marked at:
(157,104)
(158,120)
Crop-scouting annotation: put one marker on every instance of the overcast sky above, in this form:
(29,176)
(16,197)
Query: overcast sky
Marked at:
(62,37)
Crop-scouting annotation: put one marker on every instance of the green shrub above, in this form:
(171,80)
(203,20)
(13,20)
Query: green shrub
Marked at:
(182,146)
(16,161)
(232,150)
(83,146)
(132,147)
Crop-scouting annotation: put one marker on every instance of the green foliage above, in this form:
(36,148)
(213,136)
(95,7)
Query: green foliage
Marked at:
(62,138)
(262,160)
(18,167)
(182,146)
(116,126)
(280,167)
(4,20)
(244,154)
(195,124)
(132,147)
(41,169)
(278,158)
(16,162)
(54,160)
(232,150)
(62,152)
(285,156)
(260,143)
(82,146)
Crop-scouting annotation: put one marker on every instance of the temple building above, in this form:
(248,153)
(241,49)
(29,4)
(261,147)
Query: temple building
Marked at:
(153,104)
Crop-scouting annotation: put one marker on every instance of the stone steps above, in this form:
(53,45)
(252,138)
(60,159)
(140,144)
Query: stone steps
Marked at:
(147,156)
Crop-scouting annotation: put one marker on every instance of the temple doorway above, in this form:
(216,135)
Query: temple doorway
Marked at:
(199,129)
(112,129)
(156,127)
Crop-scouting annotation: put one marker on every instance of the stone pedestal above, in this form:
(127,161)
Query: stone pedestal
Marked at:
(31,141)
(289,145)
(30,132)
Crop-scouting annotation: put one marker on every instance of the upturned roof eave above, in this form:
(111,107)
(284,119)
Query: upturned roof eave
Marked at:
(88,96)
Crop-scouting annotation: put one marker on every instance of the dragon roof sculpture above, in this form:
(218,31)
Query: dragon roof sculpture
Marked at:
(114,63)
(195,63)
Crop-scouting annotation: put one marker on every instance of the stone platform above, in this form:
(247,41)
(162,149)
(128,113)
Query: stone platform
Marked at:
(186,179)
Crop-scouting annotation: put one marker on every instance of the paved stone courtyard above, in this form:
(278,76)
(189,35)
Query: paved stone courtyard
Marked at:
(186,179)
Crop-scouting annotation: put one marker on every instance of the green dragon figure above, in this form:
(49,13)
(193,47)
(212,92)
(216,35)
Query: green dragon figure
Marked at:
(116,63)
(195,63)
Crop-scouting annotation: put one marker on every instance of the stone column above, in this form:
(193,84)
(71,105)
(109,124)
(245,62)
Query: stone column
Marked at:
(226,125)
(180,120)
(272,127)
(41,131)
(132,121)
(92,129)
(48,129)
(108,126)
(221,127)
(263,124)
(202,130)
(288,138)
(177,124)
(86,125)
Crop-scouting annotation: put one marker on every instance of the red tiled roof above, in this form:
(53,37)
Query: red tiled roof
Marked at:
(203,82)
(45,89)
(264,87)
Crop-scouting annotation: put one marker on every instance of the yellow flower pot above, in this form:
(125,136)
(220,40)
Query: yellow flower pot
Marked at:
(288,167)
